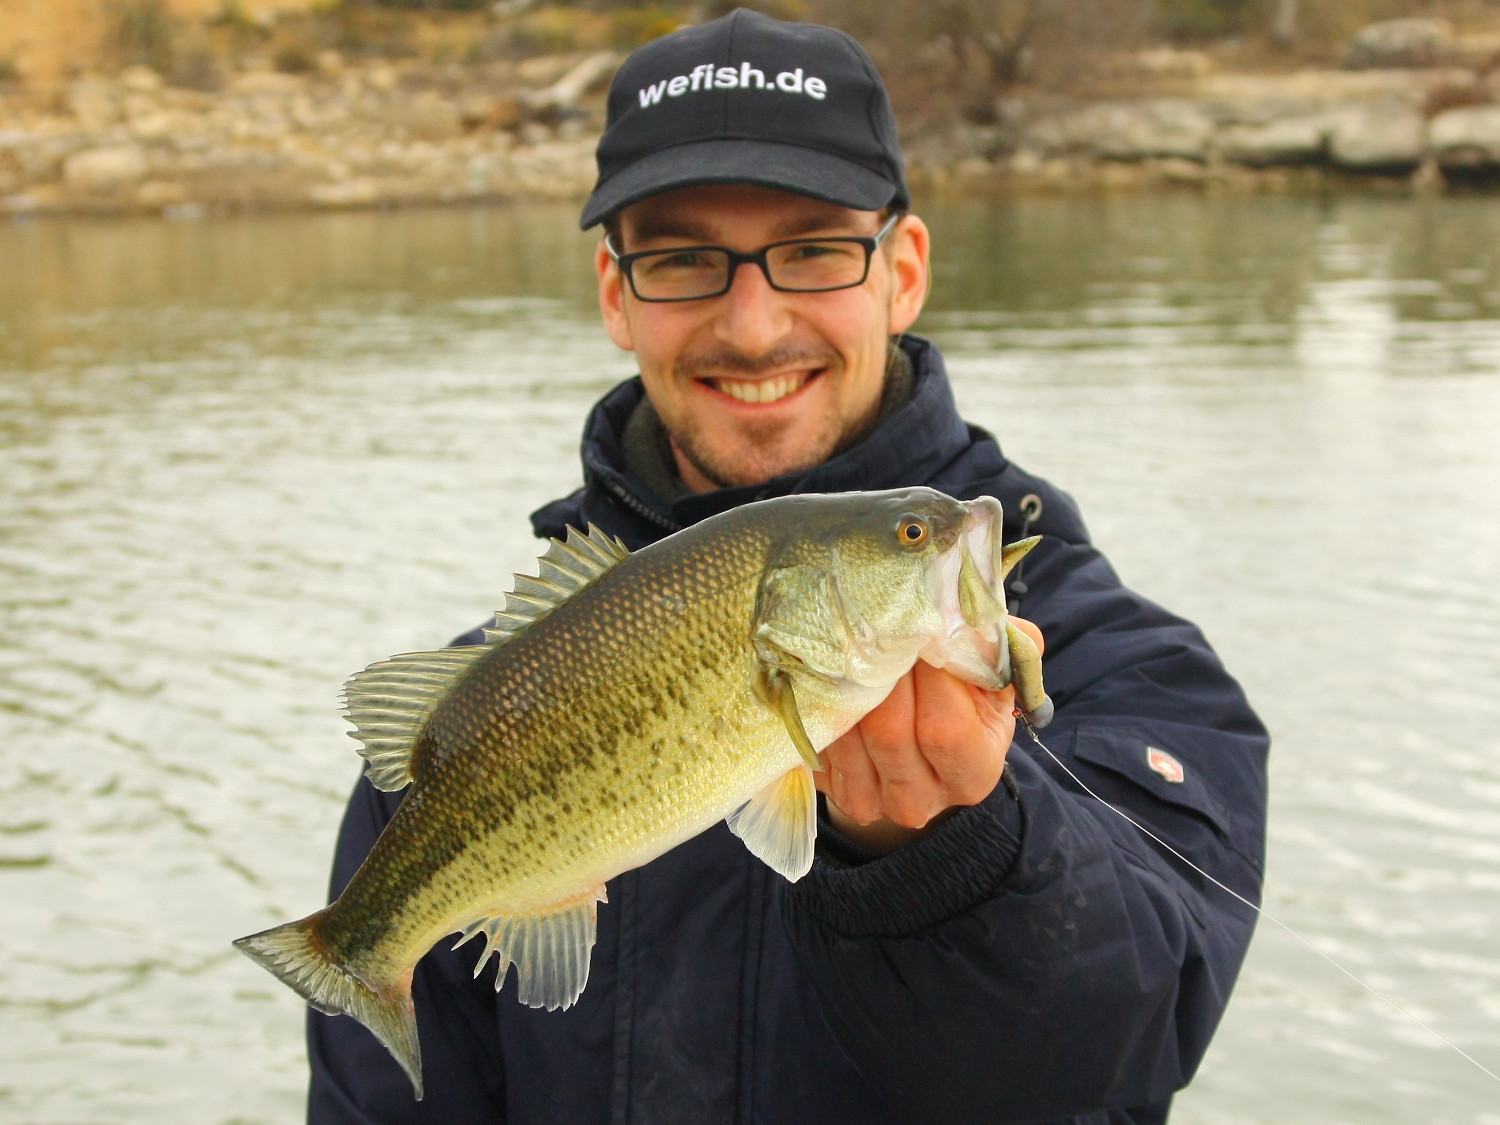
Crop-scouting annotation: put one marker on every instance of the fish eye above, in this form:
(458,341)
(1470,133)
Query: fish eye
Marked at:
(911,530)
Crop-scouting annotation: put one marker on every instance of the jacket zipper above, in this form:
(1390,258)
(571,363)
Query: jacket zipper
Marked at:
(639,507)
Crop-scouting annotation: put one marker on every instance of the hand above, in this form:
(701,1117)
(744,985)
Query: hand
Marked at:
(934,744)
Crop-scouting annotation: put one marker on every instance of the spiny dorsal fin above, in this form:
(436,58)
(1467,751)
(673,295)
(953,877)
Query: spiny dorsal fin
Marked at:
(389,704)
(566,568)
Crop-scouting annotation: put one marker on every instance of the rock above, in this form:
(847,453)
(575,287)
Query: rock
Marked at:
(544,70)
(1480,52)
(1169,62)
(155,195)
(1269,95)
(1130,130)
(1400,43)
(1025,162)
(974,172)
(350,193)
(140,80)
(265,82)
(1290,140)
(105,170)
(94,101)
(579,80)
(485,111)
(1377,138)
(1467,141)
(382,77)
(1175,170)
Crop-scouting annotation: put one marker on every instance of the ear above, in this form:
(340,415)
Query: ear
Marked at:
(909,269)
(612,299)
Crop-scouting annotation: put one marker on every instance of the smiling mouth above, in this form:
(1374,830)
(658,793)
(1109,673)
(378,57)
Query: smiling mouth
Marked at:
(762,391)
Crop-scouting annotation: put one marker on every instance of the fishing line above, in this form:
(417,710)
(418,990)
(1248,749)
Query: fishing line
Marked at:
(1266,914)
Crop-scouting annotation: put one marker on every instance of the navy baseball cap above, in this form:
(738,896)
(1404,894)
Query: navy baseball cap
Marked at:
(748,99)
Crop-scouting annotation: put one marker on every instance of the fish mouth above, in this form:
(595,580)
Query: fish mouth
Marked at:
(983,537)
(972,641)
(765,390)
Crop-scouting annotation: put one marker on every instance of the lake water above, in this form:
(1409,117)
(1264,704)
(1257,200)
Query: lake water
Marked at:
(240,459)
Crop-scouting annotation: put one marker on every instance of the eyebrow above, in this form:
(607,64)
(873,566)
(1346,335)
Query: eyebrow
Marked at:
(667,225)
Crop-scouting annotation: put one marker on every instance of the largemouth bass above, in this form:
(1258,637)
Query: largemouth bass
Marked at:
(622,705)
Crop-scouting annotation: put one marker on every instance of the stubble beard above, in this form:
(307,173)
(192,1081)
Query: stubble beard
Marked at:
(764,458)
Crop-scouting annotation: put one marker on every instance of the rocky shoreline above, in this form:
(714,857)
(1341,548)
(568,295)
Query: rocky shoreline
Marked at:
(381,133)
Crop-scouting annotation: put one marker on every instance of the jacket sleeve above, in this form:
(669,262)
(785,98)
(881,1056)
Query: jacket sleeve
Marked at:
(355,1081)
(1037,956)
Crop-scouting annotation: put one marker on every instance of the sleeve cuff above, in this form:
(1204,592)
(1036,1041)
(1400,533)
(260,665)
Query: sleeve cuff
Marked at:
(964,862)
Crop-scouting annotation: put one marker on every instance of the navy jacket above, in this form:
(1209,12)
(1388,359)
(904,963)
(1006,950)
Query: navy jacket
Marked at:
(1035,958)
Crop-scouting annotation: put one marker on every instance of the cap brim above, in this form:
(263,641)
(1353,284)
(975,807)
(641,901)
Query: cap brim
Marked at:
(793,168)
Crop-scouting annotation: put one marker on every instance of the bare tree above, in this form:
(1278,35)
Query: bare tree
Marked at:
(994,34)
(1284,27)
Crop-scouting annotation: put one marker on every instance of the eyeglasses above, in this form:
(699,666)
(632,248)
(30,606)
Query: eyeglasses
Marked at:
(798,265)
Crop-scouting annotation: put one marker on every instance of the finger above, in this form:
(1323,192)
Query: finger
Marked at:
(963,732)
(852,784)
(1030,629)
(910,792)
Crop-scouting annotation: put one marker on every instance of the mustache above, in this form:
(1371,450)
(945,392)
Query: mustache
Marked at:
(729,361)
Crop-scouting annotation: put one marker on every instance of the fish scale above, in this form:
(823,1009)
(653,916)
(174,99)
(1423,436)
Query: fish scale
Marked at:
(623,704)
(504,712)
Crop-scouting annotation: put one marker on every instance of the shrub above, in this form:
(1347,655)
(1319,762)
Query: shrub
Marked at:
(1207,19)
(630,27)
(143,32)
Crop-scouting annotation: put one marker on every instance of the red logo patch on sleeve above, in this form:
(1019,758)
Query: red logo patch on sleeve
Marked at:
(1164,764)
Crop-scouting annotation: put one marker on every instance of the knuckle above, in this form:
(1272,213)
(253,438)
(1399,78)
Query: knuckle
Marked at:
(911,814)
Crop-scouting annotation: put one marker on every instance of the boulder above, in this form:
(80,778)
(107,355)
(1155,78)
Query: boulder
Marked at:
(140,80)
(156,195)
(362,192)
(573,85)
(94,101)
(104,170)
(1388,138)
(1301,139)
(1466,141)
(1400,43)
(1130,130)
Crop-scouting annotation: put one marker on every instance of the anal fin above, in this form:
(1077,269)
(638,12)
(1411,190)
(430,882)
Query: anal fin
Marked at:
(780,823)
(551,950)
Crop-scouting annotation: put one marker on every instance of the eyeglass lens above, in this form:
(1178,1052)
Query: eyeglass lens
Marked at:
(680,274)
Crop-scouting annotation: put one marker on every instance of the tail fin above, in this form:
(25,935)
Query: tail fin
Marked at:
(295,955)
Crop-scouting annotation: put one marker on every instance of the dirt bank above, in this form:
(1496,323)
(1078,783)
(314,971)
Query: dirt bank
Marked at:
(337,130)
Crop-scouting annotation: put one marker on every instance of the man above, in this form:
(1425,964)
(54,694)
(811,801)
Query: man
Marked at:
(979,939)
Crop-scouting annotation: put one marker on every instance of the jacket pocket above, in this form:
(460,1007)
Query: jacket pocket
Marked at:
(1179,777)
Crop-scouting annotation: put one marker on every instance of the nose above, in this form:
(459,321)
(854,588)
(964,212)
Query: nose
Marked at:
(753,317)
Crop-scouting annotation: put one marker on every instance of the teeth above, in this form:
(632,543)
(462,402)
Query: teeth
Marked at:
(762,390)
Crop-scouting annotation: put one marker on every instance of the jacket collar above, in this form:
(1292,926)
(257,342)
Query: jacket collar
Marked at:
(909,447)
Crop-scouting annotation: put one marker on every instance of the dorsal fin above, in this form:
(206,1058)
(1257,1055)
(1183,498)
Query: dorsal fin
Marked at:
(389,704)
(562,571)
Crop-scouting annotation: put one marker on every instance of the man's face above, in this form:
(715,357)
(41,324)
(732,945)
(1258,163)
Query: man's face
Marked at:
(756,382)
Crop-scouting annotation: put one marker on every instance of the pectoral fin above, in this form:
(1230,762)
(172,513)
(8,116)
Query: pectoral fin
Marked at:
(777,689)
(780,823)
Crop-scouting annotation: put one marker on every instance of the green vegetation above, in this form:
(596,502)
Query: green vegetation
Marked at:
(144,33)
(941,57)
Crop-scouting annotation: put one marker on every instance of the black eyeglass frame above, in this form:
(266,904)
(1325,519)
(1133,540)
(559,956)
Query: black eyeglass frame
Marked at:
(871,243)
